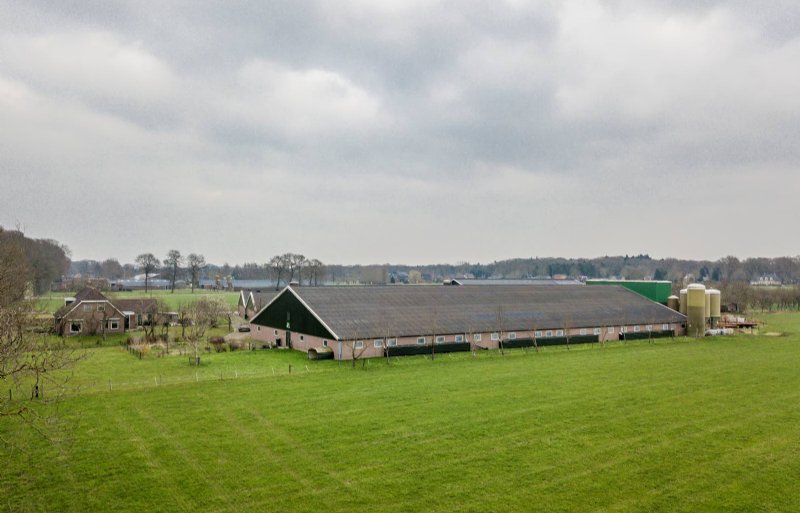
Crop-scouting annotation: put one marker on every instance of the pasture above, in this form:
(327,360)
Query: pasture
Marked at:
(55,300)
(672,425)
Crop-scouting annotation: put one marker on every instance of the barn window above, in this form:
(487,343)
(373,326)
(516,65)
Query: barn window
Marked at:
(512,336)
(301,337)
(420,341)
(392,342)
(636,328)
(324,343)
(624,329)
(476,337)
(549,333)
(537,333)
(597,331)
(359,344)
(611,329)
(559,333)
(649,327)
(459,338)
(75,327)
(495,336)
(113,325)
(378,342)
(440,339)
(665,327)
(583,331)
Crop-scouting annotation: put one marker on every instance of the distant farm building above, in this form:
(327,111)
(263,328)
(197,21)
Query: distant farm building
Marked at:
(354,322)
(251,302)
(90,312)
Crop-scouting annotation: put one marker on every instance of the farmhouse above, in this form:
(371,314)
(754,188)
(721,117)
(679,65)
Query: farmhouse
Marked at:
(354,322)
(90,312)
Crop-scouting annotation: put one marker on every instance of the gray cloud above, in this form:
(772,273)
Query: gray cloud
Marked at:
(399,131)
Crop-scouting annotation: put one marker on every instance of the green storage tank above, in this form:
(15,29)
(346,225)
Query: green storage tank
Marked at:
(654,290)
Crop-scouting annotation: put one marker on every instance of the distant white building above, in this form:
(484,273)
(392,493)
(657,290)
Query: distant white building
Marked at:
(767,280)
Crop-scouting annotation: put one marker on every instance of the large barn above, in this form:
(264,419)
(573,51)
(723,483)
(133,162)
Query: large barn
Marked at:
(354,322)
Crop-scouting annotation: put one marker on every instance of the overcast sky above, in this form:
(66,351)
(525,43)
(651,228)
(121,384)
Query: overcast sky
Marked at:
(402,131)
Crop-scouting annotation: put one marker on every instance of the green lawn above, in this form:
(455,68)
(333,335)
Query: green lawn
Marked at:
(55,300)
(677,425)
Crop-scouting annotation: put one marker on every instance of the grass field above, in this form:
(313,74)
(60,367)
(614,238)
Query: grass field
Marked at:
(55,300)
(677,425)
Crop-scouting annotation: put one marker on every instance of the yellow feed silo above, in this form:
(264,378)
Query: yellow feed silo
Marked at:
(673,302)
(708,304)
(683,301)
(696,310)
(716,304)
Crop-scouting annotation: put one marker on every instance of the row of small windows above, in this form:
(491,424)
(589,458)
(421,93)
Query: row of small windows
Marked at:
(441,339)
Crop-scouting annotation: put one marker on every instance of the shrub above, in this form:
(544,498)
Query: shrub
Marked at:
(218,343)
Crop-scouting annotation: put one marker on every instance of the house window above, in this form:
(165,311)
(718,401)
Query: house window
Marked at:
(440,339)
(559,333)
(101,308)
(75,327)
(495,336)
(665,327)
(113,325)
(324,343)
(301,337)
(583,331)
(258,328)
(476,337)
(611,329)
(537,333)
(459,338)
(378,342)
(549,333)
(512,336)
(636,328)
(87,308)
(421,341)
(359,344)
(392,342)
(597,331)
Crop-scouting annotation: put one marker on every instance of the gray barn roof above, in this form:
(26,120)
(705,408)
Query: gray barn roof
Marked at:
(367,312)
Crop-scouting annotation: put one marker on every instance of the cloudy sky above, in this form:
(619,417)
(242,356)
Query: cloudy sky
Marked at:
(404,130)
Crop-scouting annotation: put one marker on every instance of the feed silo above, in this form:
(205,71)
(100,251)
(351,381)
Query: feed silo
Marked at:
(708,304)
(683,302)
(716,303)
(673,302)
(696,310)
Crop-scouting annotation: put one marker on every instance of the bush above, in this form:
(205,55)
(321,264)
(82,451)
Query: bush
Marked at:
(235,345)
(218,343)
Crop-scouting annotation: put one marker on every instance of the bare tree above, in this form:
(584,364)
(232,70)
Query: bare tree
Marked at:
(28,356)
(196,264)
(148,263)
(316,271)
(278,265)
(173,262)
(500,321)
(201,315)
(300,262)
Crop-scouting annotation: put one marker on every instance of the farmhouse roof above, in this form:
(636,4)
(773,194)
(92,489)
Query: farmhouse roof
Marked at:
(85,294)
(365,312)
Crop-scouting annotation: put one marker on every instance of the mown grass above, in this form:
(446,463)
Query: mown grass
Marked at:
(676,425)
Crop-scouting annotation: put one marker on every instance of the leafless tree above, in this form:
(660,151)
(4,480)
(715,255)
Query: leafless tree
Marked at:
(201,315)
(196,264)
(316,271)
(299,262)
(278,265)
(500,322)
(567,327)
(28,356)
(148,263)
(173,262)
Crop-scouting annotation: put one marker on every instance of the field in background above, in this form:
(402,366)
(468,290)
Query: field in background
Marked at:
(676,425)
(54,300)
